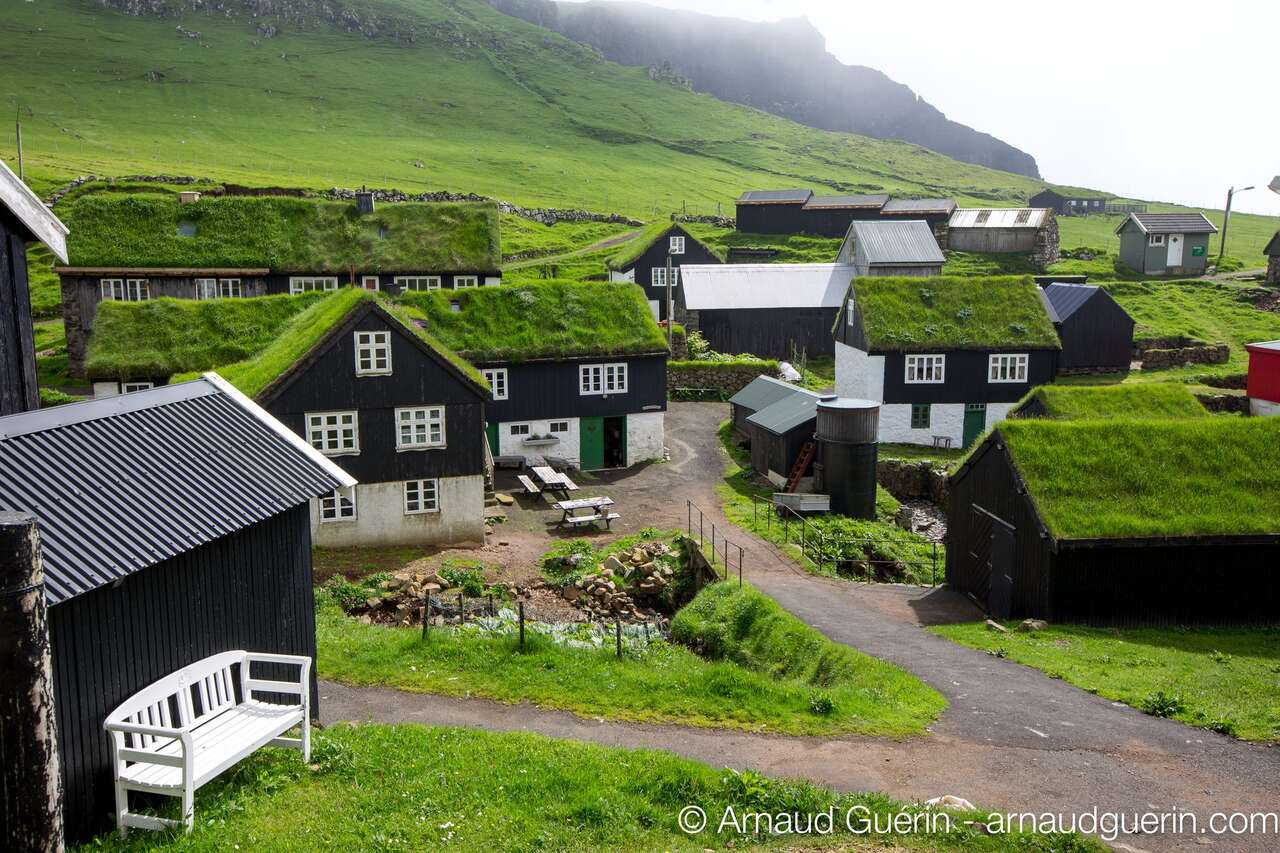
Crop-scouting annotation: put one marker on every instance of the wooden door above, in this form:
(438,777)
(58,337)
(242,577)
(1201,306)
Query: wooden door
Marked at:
(1000,598)
(975,421)
(591,443)
(1175,250)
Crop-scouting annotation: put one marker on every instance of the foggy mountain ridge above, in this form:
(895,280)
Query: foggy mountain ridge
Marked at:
(780,67)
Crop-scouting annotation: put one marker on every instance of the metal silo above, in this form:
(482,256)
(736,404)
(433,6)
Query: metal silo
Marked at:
(847,430)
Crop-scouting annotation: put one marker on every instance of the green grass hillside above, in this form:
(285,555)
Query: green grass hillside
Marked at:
(445,95)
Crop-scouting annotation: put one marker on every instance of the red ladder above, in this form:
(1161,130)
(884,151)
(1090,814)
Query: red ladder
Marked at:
(802,462)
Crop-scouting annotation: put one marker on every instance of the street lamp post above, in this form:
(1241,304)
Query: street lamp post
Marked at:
(1226,217)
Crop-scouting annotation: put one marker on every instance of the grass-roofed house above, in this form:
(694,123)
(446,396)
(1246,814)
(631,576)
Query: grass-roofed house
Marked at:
(1165,243)
(578,369)
(947,356)
(1121,521)
(1152,400)
(131,247)
(644,262)
(352,373)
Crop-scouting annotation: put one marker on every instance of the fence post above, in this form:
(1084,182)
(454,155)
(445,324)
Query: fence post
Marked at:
(689,510)
(713,543)
(935,565)
(426,618)
(617,628)
(521,624)
(726,559)
(462,610)
(739,567)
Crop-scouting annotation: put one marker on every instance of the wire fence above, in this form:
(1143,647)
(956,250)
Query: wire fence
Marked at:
(859,557)
(722,550)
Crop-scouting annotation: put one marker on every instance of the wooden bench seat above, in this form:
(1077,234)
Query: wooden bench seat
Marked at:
(530,487)
(508,462)
(178,733)
(567,484)
(607,518)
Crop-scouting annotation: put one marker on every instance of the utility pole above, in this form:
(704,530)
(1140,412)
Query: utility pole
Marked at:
(1226,218)
(17,122)
(670,307)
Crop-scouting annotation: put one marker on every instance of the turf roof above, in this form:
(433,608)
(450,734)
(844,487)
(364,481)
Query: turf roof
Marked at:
(283,233)
(544,319)
(953,312)
(641,243)
(1140,478)
(1158,400)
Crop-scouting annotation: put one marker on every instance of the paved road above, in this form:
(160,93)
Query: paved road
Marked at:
(1011,739)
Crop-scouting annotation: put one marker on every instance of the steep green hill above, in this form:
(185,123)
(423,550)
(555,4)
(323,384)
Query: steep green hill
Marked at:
(445,94)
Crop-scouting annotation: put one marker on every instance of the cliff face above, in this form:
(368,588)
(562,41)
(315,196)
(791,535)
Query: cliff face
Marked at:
(782,68)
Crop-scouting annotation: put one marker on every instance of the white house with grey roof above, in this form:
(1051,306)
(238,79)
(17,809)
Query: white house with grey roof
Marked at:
(891,248)
(1165,243)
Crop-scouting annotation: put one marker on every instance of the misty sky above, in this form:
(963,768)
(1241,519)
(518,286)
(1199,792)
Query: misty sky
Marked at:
(1170,101)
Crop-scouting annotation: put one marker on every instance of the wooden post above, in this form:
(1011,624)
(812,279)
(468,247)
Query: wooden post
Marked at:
(462,611)
(521,624)
(492,612)
(426,618)
(617,628)
(30,774)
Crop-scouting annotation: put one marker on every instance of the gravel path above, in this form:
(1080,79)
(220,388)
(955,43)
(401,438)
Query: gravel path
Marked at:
(1011,739)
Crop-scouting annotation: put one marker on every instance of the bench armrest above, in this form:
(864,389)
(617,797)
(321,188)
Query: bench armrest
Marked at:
(263,657)
(301,687)
(172,733)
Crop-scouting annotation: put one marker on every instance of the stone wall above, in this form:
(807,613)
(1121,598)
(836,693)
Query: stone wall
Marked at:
(913,480)
(1224,402)
(706,219)
(1273,270)
(1202,354)
(725,377)
(1046,249)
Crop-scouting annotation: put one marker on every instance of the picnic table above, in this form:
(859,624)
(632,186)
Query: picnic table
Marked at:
(598,511)
(553,482)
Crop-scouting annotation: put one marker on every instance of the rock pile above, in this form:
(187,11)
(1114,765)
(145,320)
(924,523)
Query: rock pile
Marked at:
(603,593)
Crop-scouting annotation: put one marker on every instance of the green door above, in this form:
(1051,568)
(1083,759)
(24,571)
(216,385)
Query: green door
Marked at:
(975,421)
(591,447)
(491,433)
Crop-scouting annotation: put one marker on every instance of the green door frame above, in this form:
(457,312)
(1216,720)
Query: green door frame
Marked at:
(591,443)
(491,433)
(975,421)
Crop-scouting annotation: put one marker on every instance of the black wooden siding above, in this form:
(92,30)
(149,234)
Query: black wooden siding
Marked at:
(778,453)
(771,218)
(329,383)
(656,256)
(769,332)
(966,375)
(18,389)
(1097,336)
(1116,583)
(251,590)
(543,390)
(834,222)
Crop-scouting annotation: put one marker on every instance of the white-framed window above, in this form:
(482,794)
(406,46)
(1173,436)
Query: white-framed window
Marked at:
(419,427)
(306,284)
(370,282)
(130,387)
(1156,240)
(519,429)
(219,288)
(418,282)
(1007,367)
(926,369)
(461,281)
(421,496)
(849,312)
(497,377)
(677,246)
(334,433)
(558,427)
(125,289)
(659,277)
(339,505)
(602,379)
(373,353)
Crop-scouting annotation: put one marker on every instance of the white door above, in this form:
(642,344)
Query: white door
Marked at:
(1175,251)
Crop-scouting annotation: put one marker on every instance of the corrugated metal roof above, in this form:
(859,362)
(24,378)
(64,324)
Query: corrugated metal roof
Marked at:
(712,286)
(1170,223)
(761,392)
(123,483)
(999,217)
(1271,346)
(788,413)
(909,242)
(901,206)
(775,197)
(847,202)
(1066,299)
(32,213)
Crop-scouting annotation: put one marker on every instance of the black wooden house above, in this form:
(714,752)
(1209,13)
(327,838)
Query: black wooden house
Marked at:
(352,375)
(947,357)
(645,262)
(1043,523)
(1068,203)
(174,526)
(23,218)
(135,248)
(1096,333)
(773,211)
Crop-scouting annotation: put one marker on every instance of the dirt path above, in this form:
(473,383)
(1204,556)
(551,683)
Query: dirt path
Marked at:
(1011,739)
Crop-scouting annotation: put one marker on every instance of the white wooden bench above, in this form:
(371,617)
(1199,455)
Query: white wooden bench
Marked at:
(178,733)
(578,520)
(530,487)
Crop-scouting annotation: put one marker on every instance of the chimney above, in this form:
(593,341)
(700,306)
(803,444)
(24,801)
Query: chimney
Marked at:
(188,197)
(364,201)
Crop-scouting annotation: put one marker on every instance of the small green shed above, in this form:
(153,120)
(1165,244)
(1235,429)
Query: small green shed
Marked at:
(1165,243)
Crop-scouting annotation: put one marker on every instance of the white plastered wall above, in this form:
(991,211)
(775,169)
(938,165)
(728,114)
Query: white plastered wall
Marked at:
(646,436)
(381,520)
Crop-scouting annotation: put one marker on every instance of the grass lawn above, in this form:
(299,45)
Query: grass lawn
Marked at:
(410,787)
(941,456)
(852,541)
(1227,680)
(51,368)
(663,682)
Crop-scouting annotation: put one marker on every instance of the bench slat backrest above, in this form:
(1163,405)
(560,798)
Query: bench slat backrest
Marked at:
(199,691)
